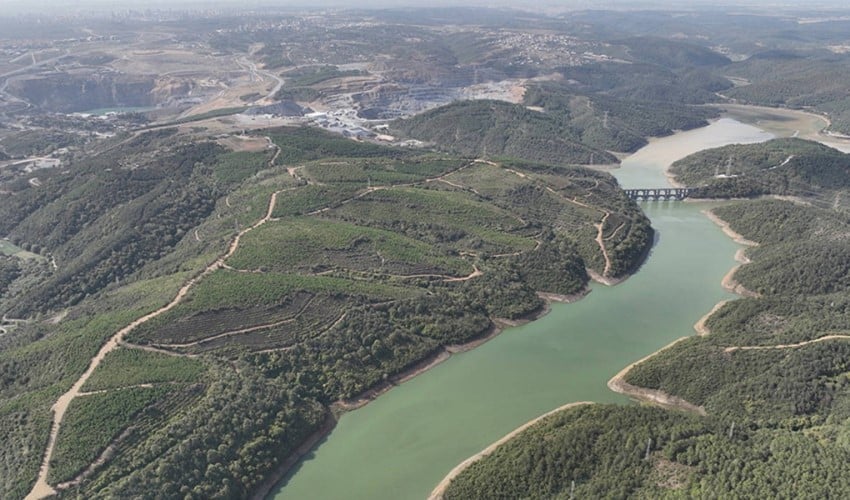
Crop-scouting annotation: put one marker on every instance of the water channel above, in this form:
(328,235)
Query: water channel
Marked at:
(402,444)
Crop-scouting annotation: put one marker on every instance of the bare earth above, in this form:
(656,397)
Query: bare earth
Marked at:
(788,346)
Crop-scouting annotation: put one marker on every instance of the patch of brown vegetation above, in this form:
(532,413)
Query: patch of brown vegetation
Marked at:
(668,474)
(250,144)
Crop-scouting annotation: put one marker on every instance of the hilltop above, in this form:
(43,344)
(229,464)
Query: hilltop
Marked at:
(794,167)
(554,126)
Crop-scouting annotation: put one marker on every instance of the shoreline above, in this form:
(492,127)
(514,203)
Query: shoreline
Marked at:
(699,326)
(280,472)
(619,385)
(500,324)
(438,492)
(728,282)
(618,382)
(736,237)
(340,407)
(604,280)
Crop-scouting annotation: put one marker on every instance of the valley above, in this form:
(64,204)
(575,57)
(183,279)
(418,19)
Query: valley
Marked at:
(241,250)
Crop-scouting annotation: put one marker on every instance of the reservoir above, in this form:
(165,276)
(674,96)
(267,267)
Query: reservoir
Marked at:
(403,443)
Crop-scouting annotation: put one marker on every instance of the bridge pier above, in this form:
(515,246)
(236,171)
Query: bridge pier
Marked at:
(658,194)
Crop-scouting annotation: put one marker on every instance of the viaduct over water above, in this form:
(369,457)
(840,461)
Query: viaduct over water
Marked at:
(659,194)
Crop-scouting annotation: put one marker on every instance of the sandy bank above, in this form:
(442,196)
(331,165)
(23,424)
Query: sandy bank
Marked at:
(729,283)
(619,385)
(618,382)
(699,326)
(605,280)
(736,237)
(440,490)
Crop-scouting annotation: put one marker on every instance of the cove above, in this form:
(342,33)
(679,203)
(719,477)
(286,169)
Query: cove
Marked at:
(403,443)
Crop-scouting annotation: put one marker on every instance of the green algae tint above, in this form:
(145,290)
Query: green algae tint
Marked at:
(402,444)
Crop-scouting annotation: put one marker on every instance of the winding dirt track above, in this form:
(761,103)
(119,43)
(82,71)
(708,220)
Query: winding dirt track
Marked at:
(41,488)
(787,346)
(600,227)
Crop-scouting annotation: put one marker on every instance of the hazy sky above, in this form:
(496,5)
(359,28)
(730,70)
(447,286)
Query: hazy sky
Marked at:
(55,6)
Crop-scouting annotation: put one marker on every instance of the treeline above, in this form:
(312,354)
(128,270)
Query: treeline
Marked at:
(603,451)
(10,270)
(223,444)
(575,128)
(611,123)
(802,270)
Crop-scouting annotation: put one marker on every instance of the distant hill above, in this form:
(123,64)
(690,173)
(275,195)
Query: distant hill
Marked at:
(780,166)
(672,54)
(615,124)
(788,79)
(572,129)
(495,128)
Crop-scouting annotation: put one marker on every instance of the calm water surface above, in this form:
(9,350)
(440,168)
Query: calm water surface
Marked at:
(401,445)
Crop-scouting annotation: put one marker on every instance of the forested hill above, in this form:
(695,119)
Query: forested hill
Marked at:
(500,129)
(571,129)
(310,268)
(772,375)
(796,79)
(779,166)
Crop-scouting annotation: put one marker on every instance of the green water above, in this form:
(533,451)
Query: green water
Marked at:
(402,444)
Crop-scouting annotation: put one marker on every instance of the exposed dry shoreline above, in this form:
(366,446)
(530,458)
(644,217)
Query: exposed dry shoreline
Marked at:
(440,490)
(618,382)
(366,397)
(736,237)
(729,283)
(304,448)
(619,385)
(700,327)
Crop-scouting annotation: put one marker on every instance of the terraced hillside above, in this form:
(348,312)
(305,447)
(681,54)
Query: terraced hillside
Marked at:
(791,167)
(304,274)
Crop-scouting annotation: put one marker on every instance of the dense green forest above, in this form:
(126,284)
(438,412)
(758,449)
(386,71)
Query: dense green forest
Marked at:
(796,79)
(771,375)
(571,129)
(791,166)
(373,260)
(500,129)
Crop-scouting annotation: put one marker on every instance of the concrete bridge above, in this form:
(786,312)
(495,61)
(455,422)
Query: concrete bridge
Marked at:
(659,194)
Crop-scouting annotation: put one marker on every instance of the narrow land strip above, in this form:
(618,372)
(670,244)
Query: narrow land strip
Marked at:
(619,385)
(440,490)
